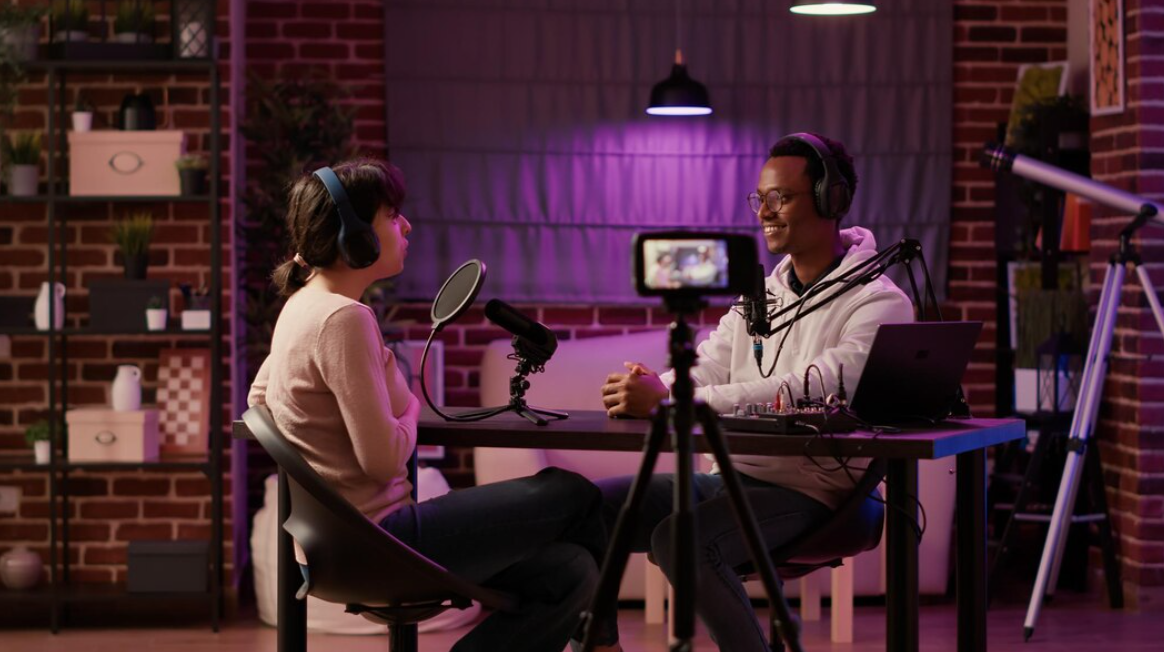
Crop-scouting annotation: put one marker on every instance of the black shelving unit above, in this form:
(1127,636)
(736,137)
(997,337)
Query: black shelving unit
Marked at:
(60,592)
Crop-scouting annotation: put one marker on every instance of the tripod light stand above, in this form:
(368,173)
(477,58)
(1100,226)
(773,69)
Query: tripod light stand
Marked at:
(1087,409)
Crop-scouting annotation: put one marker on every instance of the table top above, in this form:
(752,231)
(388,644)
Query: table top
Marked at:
(594,430)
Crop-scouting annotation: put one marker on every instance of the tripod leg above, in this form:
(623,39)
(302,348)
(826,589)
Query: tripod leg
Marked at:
(1097,499)
(1021,502)
(473,415)
(553,414)
(614,565)
(1150,293)
(1082,424)
(530,415)
(747,520)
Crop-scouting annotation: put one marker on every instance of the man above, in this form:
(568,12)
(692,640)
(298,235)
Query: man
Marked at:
(805,188)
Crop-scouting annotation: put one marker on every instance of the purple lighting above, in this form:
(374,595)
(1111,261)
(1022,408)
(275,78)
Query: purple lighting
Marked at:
(679,110)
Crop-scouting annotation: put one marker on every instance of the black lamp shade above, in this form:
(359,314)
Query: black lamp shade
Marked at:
(679,95)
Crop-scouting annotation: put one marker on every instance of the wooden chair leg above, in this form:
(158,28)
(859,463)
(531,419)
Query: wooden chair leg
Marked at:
(810,597)
(841,615)
(654,595)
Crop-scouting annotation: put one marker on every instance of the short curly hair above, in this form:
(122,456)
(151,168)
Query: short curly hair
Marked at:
(789,146)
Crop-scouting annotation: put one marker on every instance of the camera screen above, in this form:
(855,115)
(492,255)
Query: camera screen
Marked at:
(673,264)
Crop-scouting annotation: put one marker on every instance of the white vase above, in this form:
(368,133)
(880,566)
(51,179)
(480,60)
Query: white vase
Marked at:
(20,568)
(82,121)
(22,180)
(156,319)
(42,451)
(56,294)
(126,392)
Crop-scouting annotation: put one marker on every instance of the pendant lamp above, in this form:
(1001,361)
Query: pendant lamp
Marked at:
(679,94)
(818,8)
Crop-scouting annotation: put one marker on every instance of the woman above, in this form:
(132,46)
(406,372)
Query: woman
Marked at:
(335,391)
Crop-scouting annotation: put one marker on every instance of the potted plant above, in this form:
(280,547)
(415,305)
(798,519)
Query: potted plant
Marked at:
(20,30)
(192,169)
(134,22)
(132,236)
(156,314)
(22,158)
(39,437)
(70,21)
(82,114)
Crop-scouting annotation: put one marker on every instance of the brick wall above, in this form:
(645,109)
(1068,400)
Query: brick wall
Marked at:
(108,509)
(1128,152)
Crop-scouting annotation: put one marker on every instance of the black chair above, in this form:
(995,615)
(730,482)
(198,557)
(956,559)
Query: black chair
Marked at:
(854,528)
(351,560)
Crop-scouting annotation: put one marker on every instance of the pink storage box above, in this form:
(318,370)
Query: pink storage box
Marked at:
(125,162)
(99,434)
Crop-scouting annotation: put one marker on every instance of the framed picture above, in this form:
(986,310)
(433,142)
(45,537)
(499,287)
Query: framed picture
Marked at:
(184,401)
(408,356)
(1107,57)
(1037,82)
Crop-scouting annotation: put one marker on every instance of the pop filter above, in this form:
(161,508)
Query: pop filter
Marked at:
(457,293)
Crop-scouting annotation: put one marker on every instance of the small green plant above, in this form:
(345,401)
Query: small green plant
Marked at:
(134,17)
(22,148)
(155,303)
(82,105)
(71,15)
(38,431)
(192,162)
(132,234)
(16,16)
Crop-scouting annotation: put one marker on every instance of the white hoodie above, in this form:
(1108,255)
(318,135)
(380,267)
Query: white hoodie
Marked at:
(837,334)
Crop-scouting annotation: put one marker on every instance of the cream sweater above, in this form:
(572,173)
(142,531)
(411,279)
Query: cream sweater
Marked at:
(335,392)
(837,334)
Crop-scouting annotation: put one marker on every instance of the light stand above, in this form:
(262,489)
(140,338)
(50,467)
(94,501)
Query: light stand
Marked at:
(1087,408)
(680,413)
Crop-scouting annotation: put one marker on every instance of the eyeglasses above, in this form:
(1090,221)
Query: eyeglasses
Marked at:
(772,198)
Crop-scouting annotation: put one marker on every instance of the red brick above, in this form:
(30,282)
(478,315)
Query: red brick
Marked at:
(198,487)
(141,486)
(159,509)
(144,531)
(23,531)
(330,10)
(324,51)
(992,33)
(611,316)
(109,509)
(89,531)
(307,30)
(262,9)
(105,555)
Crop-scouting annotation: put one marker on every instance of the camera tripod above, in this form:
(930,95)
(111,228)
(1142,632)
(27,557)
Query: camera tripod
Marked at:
(679,416)
(1087,409)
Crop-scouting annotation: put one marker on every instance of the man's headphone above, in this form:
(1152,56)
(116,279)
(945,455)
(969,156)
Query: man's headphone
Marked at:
(358,245)
(831,193)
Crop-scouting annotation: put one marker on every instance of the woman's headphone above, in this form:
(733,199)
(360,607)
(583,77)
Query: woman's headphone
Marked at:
(358,245)
(832,193)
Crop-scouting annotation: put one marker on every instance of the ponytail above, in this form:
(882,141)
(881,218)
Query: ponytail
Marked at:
(289,278)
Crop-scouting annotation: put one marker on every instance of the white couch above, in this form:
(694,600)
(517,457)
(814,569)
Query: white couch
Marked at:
(572,380)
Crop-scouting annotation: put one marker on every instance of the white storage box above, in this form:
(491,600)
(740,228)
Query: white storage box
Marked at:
(125,162)
(100,434)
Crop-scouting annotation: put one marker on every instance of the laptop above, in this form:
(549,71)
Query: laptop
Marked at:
(914,372)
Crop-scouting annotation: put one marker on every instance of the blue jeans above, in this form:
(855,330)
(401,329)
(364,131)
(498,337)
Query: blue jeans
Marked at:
(539,538)
(720,600)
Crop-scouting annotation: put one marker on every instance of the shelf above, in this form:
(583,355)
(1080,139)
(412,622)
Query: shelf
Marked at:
(37,594)
(107,66)
(163,465)
(83,332)
(100,592)
(22,462)
(100,199)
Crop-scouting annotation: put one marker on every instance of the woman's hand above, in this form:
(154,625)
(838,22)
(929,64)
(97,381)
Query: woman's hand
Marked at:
(633,394)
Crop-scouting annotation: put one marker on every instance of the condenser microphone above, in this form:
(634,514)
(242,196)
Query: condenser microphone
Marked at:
(524,329)
(756,308)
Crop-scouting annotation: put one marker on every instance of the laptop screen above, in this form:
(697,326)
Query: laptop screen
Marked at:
(914,371)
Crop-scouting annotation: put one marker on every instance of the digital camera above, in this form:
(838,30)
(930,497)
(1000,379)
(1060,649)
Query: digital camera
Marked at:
(694,264)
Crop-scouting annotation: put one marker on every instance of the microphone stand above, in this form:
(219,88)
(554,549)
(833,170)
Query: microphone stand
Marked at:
(530,359)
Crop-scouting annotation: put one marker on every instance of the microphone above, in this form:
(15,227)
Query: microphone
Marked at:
(527,331)
(756,316)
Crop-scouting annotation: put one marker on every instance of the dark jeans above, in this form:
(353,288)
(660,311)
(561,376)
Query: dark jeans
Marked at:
(539,538)
(720,600)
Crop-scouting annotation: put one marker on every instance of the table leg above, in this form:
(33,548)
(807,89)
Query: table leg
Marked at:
(971,549)
(292,613)
(901,613)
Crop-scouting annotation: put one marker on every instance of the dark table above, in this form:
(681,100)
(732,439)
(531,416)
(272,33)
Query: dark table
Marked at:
(584,430)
